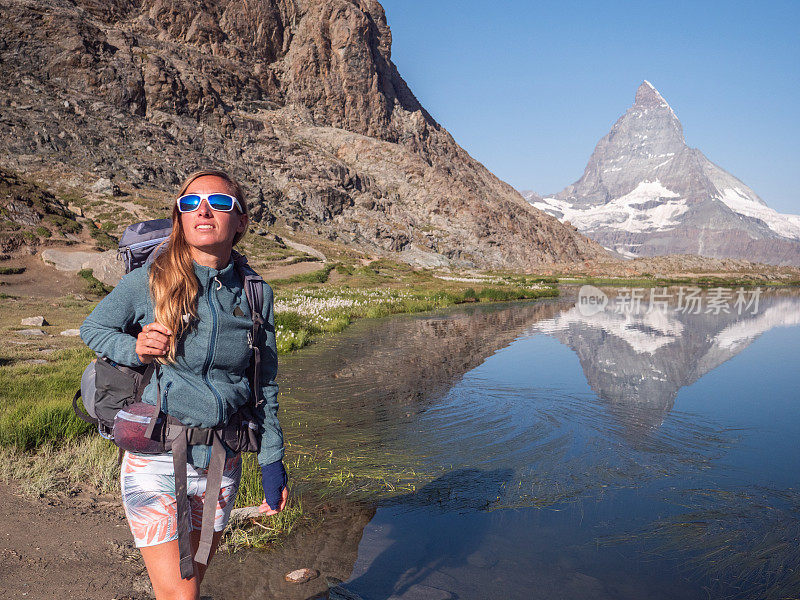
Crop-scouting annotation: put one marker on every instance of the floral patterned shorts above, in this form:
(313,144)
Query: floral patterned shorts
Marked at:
(148,495)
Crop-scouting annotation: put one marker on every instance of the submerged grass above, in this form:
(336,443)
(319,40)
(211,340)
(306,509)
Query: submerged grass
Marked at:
(261,532)
(745,542)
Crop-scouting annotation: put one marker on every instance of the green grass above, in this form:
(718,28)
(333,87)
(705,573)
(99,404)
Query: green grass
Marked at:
(63,224)
(319,276)
(317,311)
(263,532)
(36,408)
(102,239)
(72,197)
(63,468)
(300,259)
(703,281)
(344,269)
(94,285)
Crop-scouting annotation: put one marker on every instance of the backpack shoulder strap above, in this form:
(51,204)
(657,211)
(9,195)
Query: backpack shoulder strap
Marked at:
(254,291)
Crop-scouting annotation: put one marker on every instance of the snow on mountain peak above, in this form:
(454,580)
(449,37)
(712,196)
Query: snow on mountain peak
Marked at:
(645,192)
(647,96)
(648,207)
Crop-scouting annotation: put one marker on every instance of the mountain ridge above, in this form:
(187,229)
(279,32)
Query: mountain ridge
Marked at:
(298,99)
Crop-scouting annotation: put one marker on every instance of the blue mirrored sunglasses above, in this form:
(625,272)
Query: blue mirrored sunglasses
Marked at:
(223,202)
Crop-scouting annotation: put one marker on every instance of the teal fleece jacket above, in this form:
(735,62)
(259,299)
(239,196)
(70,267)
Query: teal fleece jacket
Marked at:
(207,383)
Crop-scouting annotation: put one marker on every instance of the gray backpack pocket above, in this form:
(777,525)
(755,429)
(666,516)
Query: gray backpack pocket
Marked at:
(106,388)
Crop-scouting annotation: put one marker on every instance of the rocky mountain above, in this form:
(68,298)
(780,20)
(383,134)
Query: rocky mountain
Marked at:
(297,98)
(645,192)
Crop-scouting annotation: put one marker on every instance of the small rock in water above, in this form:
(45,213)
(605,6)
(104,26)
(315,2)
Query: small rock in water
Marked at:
(35,321)
(301,575)
(31,332)
(71,332)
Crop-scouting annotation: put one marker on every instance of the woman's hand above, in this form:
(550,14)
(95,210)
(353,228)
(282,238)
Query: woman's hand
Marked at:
(273,480)
(153,341)
(266,510)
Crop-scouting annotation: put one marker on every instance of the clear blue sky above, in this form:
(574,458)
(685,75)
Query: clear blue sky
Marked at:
(529,88)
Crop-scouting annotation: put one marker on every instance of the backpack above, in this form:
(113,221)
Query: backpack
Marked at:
(140,239)
(111,399)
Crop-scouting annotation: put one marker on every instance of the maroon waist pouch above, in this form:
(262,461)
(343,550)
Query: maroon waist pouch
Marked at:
(130,425)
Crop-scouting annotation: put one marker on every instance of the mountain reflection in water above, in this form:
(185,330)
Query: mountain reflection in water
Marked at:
(608,421)
(358,388)
(637,361)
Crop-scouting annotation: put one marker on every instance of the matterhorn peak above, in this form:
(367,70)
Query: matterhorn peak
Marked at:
(645,192)
(647,96)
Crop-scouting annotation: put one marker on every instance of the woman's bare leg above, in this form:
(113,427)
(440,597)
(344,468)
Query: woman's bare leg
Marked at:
(162,562)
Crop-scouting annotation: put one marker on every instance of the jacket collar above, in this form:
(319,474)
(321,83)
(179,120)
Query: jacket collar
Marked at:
(206,274)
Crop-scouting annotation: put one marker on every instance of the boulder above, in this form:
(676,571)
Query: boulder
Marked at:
(64,260)
(104,265)
(102,186)
(413,255)
(304,248)
(34,321)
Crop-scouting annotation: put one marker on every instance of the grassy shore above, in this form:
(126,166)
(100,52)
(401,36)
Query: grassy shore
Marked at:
(328,300)
(52,453)
(705,281)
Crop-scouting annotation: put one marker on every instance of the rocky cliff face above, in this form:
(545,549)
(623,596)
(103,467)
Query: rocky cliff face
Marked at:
(299,99)
(645,192)
(29,214)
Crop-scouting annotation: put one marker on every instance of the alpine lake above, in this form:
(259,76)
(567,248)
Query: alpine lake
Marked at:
(612,443)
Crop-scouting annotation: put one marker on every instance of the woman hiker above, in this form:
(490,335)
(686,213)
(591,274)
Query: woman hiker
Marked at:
(196,323)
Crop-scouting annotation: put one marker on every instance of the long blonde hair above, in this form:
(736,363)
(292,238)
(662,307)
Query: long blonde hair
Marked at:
(173,283)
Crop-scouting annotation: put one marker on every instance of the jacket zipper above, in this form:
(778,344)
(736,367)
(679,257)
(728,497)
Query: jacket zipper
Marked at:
(164,399)
(210,353)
